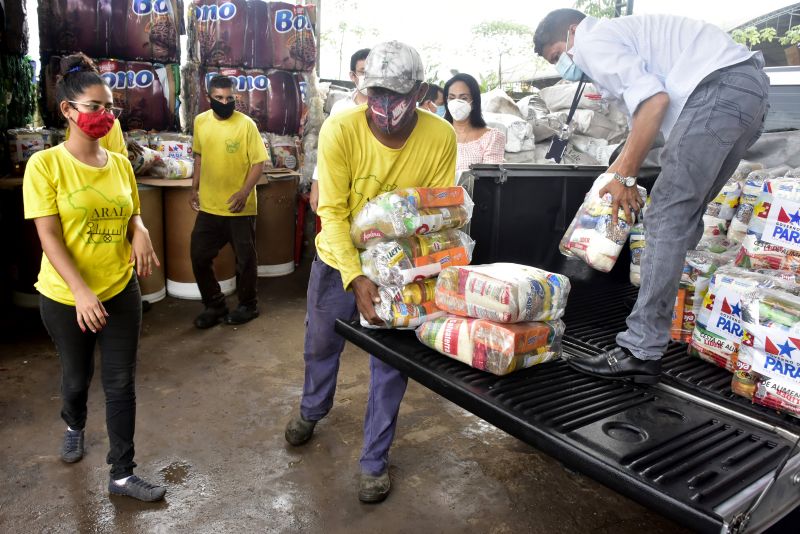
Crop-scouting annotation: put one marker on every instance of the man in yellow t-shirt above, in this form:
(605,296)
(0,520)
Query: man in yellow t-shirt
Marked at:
(386,144)
(229,158)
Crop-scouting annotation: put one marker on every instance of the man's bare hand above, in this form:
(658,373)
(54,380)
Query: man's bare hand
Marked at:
(624,198)
(366,298)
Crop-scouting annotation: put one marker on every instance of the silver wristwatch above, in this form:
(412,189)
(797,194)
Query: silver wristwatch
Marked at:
(629,181)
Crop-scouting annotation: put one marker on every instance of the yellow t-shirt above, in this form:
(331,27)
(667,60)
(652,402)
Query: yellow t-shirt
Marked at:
(94,206)
(355,167)
(229,148)
(113,141)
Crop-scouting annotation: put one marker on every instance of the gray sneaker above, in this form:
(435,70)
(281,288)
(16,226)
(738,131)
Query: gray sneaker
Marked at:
(374,489)
(72,448)
(299,431)
(137,488)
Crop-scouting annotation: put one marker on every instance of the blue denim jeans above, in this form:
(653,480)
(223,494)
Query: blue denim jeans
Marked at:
(723,117)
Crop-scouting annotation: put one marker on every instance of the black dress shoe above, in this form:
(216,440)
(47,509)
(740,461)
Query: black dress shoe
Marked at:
(619,364)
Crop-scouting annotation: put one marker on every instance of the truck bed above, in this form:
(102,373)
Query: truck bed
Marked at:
(687,448)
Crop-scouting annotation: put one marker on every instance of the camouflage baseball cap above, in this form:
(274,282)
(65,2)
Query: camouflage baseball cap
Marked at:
(395,66)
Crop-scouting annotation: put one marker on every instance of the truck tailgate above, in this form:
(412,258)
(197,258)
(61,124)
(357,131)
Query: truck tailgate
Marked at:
(694,460)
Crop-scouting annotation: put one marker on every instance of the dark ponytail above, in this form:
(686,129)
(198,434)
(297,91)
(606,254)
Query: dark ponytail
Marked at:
(77,74)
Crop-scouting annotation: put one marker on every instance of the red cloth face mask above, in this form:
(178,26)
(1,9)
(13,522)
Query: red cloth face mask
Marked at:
(97,124)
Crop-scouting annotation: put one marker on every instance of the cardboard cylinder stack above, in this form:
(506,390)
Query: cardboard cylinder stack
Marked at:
(179,220)
(152,209)
(275,226)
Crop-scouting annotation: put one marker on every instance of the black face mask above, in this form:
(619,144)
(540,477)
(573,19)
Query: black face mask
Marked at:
(223,110)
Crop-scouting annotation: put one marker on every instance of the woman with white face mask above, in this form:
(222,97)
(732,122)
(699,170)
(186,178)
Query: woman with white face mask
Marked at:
(477,143)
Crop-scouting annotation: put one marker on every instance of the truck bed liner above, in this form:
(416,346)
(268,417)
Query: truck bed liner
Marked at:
(685,459)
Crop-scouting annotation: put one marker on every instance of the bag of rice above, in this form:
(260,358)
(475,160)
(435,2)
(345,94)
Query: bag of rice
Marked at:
(497,348)
(503,292)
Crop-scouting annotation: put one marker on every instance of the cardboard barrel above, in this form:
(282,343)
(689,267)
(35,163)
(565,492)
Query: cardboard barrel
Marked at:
(179,220)
(26,254)
(275,226)
(152,207)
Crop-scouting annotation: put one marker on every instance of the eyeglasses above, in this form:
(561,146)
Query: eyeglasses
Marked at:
(94,107)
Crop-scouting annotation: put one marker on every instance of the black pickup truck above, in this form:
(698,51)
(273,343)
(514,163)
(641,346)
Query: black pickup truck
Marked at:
(687,447)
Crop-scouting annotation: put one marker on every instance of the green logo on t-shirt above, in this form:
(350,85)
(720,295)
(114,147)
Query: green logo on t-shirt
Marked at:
(106,220)
(232,146)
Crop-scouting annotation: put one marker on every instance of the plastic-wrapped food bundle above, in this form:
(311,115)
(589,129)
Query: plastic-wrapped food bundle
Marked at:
(773,235)
(718,331)
(24,142)
(493,347)
(700,266)
(408,306)
(637,245)
(751,190)
(503,292)
(592,237)
(142,157)
(285,151)
(172,168)
(769,355)
(722,209)
(412,211)
(172,145)
(402,261)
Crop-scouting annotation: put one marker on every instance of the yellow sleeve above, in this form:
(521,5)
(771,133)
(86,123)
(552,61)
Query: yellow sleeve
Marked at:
(137,208)
(38,189)
(445,173)
(256,151)
(114,141)
(334,192)
(198,125)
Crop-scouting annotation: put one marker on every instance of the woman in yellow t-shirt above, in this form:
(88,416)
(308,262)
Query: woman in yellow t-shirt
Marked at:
(84,202)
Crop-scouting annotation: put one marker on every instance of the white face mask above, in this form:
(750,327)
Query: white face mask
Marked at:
(459,109)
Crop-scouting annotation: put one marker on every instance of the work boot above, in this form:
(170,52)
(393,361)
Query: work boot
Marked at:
(299,431)
(137,488)
(210,317)
(241,315)
(72,448)
(619,364)
(374,489)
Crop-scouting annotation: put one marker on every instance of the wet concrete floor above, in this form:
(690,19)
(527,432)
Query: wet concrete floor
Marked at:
(212,407)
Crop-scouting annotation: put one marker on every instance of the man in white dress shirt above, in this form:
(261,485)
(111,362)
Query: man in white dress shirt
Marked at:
(356,98)
(708,97)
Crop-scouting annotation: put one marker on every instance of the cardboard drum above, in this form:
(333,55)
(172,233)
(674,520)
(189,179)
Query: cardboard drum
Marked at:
(275,226)
(152,207)
(179,220)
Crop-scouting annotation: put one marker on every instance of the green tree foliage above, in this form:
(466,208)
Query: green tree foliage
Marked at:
(597,8)
(499,38)
(791,37)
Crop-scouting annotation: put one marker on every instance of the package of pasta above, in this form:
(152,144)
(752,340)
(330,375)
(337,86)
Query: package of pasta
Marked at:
(502,292)
(401,261)
(751,189)
(773,235)
(408,306)
(718,332)
(770,348)
(592,236)
(637,244)
(408,212)
(493,347)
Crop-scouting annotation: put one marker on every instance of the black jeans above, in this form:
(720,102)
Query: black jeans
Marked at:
(210,234)
(119,342)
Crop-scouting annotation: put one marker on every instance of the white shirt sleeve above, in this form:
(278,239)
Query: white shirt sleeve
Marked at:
(618,69)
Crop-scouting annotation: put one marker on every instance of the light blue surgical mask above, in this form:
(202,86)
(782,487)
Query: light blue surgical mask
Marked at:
(566,67)
(440,110)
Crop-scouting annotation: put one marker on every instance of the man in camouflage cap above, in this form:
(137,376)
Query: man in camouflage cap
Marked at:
(385,144)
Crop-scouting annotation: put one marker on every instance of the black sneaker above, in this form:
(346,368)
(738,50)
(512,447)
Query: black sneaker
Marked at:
(137,488)
(299,431)
(72,448)
(374,489)
(210,317)
(241,315)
